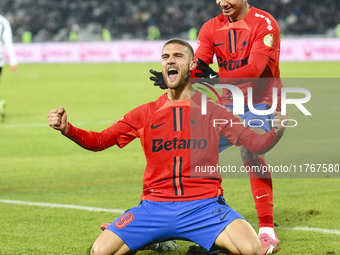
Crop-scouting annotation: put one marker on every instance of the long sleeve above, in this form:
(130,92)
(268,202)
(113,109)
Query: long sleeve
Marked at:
(258,143)
(256,65)
(234,129)
(121,133)
(90,140)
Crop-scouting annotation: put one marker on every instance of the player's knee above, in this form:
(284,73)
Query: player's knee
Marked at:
(109,250)
(94,250)
(251,248)
(97,250)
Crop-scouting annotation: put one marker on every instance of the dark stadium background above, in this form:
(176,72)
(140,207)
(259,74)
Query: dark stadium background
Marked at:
(52,20)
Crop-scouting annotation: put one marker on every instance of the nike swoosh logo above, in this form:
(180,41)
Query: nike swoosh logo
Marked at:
(154,127)
(224,216)
(218,44)
(258,197)
(212,76)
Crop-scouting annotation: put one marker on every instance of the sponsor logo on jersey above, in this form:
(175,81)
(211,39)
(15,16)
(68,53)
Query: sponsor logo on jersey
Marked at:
(217,44)
(232,64)
(175,144)
(154,127)
(269,23)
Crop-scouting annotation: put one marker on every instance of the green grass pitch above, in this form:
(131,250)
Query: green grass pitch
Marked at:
(37,164)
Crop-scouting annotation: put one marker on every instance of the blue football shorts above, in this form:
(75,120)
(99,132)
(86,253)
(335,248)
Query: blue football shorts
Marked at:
(199,221)
(251,120)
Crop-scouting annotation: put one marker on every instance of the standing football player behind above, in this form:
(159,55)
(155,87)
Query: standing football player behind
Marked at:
(173,205)
(246,42)
(6,39)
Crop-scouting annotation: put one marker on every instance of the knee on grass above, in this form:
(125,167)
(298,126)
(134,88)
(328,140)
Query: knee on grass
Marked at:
(251,248)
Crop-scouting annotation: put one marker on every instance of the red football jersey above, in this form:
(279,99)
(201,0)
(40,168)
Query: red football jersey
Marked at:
(176,138)
(237,46)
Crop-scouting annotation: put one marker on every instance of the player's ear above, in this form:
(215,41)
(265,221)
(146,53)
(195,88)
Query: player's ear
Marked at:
(192,65)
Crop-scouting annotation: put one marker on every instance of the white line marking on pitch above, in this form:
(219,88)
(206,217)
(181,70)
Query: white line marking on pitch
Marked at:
(120,211)
(34,125)
(319,230)
(77,207)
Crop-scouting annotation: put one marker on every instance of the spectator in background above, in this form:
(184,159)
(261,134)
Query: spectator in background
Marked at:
(106,35)
(47,20)
(153,33)
(192,34)
(26,37)
(74,33)
(6,40)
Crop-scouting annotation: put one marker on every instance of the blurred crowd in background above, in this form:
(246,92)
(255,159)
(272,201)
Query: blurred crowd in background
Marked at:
(96,20)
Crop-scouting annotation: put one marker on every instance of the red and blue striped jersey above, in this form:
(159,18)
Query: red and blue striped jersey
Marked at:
(176,138)
(238,47)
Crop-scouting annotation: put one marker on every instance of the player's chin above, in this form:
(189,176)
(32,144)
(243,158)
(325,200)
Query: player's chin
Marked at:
(172,84)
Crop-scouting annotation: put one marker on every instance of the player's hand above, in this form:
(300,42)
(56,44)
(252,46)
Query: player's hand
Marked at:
(158,79)
(57,119)
(207,72)
(280,122)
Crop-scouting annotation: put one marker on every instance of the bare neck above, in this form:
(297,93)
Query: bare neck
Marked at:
(242,14)
(180,94)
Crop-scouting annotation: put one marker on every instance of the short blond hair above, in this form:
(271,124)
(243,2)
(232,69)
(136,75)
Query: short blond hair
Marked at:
(181,42)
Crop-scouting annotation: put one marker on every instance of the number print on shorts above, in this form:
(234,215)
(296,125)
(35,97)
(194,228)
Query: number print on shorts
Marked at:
(124,220)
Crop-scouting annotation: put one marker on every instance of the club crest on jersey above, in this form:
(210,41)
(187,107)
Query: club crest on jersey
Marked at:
(244,42)
(193,121)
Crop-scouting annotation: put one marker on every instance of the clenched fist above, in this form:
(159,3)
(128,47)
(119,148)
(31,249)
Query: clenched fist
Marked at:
(57,119)
(280,122)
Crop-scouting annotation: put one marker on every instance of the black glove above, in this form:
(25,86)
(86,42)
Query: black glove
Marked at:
(207,72)
(158,79)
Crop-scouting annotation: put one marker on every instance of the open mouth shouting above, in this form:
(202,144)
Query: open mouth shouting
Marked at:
(172,74)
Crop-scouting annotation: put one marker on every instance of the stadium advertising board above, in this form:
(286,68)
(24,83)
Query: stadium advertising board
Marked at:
(148,51)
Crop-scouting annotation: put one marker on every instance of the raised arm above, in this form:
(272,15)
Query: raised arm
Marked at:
(90,140)
(262,143)
(120,133)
